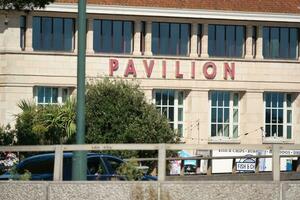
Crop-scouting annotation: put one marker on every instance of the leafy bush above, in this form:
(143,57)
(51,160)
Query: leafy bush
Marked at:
(130,171)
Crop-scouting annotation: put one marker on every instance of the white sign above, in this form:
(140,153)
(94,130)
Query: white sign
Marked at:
(245,166)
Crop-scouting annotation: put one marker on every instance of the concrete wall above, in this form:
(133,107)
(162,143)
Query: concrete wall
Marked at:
(217,190)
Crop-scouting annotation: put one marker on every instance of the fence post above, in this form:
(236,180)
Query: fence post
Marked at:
(257,165)
(162,162)
(298,165)
(209,167)
(233,166)
(182,168)
(276,162)
(58,163)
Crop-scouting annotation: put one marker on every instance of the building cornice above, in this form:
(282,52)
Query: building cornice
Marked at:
(178,13)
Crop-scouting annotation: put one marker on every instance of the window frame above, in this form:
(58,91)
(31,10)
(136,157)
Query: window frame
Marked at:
(42,34)
(100,48)
(178,46)
(214,54)
(176,107)
(285,124)
(231,123)
(60,95)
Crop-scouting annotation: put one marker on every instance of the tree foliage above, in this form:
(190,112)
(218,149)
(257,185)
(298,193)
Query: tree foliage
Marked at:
(117,112)
(7,135)
(51,124)
(23,4)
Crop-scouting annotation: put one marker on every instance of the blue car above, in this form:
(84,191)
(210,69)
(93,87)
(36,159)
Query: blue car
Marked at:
(99,167)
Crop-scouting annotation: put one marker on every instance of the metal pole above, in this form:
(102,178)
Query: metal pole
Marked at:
(79,157)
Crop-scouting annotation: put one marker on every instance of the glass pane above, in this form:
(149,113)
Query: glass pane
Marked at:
(36,33)
(289,100)
(165,111)
(155,38)
(128,30)
(235,99)
(58,34)
(220,130)
(220,114)
(171,114)
(171,97)
(230,41)
(226,130)
(54,95)
(180,114)
(158,98)
(274,130)
(266,42)
(274,42)
(48,95)
(97,35)
(220,40)
(171,125)
(274,115)
(226,115)
(289,132)
(213,115)
(274,100)
(117,37)
(213,130)
(41,94)
(174,39)
(284,42)
(268,115)
(107,36)
(226,99)
(293,42)
(214,98)
(184,39)
(165,97)
(240,38)
(180,98)
(164,38)
(235,115)
(280,131)
(46,33)
(180,130)
(268,130)
(280,100)
(68,34)
(268,99)
(280,116)
(211,40)
(289,116)
(235,131)
(220,98)
(65,95)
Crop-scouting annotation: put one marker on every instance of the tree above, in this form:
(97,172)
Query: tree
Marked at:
(50,124)
(117,112)
(23,4)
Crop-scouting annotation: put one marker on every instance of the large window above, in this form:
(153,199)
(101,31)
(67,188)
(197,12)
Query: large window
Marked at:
(53,34)
(170,39)
(278,115)
(113,36)
(226,40)
(51,95)
(171,104)
(22,31)
(280,42)
(224,114)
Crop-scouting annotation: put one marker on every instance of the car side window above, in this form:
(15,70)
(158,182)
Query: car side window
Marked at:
(113,163)
(95,166)
(38,166)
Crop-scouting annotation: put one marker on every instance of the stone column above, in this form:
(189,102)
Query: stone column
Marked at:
(148,39)
(137,38)
(259,43)
(249,42)
(204,41)
(194,40)
(89,36)
(28,33)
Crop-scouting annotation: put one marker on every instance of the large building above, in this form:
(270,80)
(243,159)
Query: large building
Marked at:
(221,71)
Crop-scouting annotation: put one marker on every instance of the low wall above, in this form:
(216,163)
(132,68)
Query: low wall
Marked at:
(172,190)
